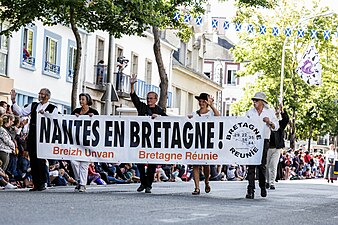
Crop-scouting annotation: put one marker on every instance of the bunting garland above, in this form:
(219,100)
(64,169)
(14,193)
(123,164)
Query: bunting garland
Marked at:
(250,28)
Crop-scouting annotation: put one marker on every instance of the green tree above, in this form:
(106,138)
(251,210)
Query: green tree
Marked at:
(118,17)
(311,108)
(165,20)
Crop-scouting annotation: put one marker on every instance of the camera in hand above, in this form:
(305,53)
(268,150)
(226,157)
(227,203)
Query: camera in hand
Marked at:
(122,60)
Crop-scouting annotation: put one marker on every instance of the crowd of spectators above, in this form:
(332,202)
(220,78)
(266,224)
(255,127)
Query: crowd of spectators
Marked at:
(15,164)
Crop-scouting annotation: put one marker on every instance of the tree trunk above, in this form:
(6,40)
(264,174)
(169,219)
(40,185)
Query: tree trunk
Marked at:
(161,71)
(77,58)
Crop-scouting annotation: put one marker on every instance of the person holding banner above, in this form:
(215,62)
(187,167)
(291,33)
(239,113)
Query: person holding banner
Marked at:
(149,109)
(80,168)
(275,148)
(38,166)
(204,101)
(261,112)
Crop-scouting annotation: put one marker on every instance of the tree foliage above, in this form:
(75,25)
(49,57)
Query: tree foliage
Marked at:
(312,108)
(118,17)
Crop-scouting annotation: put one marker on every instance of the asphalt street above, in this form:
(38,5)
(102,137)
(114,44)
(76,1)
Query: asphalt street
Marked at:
(307,202)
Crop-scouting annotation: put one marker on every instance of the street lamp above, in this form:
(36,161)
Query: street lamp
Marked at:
(302,20)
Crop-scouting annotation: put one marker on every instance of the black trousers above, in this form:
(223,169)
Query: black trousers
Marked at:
(147,178)
(38,166)
(261,169)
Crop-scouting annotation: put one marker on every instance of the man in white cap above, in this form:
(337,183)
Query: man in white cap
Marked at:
(261,112)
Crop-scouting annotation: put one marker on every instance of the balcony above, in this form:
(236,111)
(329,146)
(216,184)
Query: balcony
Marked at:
(142,88)
(29,61)
(122,84)
(52,68)
(100,74)
(70,75)
(122,87)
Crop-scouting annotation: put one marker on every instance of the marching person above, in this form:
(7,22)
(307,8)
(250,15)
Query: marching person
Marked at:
(261,112)
(204,101)
(330,158)
(149,109)
(80,168)
(38,166)
(276,146)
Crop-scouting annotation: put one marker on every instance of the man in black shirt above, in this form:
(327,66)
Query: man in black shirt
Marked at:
(149,109)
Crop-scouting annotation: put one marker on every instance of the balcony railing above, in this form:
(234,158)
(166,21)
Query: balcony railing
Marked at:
(30,61)
(100,74)
(142,89)
(52,68)
(122,83)
(122,87)
(70,75)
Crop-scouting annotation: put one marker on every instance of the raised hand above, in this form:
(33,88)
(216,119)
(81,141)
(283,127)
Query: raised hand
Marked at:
(13,94)
(133,79)
(210,100)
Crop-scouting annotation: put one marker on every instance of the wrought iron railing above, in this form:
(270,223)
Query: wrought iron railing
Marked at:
(49,67)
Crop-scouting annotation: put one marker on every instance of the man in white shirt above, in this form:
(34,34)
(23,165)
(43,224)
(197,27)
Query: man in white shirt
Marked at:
(38,166)
(261,112)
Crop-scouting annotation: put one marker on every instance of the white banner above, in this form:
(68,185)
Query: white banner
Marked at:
(163,140)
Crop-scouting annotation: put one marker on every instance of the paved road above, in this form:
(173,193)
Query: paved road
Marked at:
(293,202)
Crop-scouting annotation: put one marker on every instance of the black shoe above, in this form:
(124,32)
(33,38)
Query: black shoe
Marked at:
(272,187)
(267,185)
(42,188)
(250,194)
(141,188)
(263,192)
(148,190)
(197,191)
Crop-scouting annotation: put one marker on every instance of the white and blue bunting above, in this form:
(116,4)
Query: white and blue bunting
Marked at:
(262,29)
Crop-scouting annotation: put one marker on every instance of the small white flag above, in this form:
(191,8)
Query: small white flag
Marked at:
(309,68)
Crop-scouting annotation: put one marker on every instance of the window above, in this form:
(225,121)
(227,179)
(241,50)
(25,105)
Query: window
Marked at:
(227,110)
(118,52)
(149,66)
(183,53)
(28,47)
(118,76)
(99,49)
(190,103)
(200,64)
(178,98)
(134,63)
(231,70)
(231,77)
(189,58)
(52,54)
(208,69)
(3,50)
(71,61)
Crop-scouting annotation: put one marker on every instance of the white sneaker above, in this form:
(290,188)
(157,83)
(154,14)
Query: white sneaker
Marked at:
(10,186)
